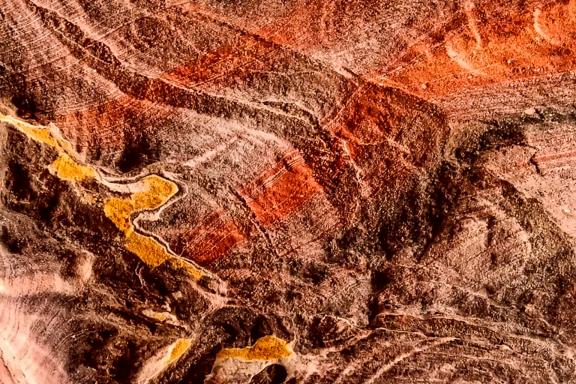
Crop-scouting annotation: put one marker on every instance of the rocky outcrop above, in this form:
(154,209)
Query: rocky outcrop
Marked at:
(298,192)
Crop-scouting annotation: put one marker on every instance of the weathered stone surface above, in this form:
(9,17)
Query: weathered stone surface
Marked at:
(287,191)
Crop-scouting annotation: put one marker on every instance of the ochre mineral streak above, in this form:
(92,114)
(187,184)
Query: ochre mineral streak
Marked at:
(287,191)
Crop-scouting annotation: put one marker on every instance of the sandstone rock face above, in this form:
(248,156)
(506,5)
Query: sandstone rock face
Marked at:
(287,191)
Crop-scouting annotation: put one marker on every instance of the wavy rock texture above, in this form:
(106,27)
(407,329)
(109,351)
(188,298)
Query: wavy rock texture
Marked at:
(287,191)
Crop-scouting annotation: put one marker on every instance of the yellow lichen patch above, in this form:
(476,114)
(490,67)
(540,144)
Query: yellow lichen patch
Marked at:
(178,349)
(67,169)
(64,166)
(153,192)
(157,191)
(267,348)
(155,254)
(147,249)
(119,211)
(40,134)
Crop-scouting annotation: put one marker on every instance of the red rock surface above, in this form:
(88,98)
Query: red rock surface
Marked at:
(287,191)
